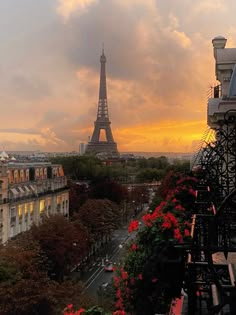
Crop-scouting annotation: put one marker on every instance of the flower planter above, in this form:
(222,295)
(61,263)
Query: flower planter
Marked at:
(172,266)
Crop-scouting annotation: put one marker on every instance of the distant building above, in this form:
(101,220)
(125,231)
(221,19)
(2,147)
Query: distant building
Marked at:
(28,191)
(82,148)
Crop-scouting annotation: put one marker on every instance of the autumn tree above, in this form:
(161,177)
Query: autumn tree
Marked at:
(62,242)
(100,216)
(78,194)
(24,287)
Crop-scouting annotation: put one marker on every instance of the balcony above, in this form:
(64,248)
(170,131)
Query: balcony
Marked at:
(216,109)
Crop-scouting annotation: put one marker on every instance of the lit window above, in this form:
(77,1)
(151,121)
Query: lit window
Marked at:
(31,207)
(25,208)
(20,211)
(41,205)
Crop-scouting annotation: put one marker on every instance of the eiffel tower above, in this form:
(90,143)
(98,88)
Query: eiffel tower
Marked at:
(95,145)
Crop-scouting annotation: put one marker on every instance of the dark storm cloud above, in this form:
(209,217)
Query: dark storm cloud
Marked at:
(140,47)
(110,23)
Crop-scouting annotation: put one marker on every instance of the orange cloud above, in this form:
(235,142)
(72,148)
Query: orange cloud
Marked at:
(67,7)
(168,136)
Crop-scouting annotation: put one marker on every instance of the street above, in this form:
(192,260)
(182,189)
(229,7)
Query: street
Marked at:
(113,252)
(95,276)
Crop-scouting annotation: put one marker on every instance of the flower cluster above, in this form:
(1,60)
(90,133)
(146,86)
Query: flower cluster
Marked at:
(143,275)
(133,226)
(69,310)
(151,276)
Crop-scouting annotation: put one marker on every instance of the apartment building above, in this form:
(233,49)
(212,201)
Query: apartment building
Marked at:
(28,191)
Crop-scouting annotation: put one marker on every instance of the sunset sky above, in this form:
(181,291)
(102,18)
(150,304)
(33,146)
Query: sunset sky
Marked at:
(160,66)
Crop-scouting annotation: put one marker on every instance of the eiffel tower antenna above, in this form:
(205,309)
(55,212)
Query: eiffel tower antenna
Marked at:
(102,123)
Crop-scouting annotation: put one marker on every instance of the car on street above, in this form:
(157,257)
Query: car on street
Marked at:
(109,267)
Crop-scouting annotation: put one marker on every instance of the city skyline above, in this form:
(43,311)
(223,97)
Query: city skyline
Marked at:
(160,66)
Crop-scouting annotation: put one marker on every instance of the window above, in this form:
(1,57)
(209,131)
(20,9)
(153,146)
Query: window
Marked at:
(16,176)
(25,209)
(41,206)
(20,211)
(13,216)
(22,175)
(13,212)
(31,208)
(27,174)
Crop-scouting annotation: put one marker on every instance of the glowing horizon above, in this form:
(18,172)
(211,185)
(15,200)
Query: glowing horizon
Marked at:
(160,65)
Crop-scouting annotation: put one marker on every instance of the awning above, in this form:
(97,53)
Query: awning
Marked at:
(27,189)
(14,191)
(21,190)
(33,188)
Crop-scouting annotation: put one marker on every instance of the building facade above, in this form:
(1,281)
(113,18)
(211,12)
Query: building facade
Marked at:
(29,191)
(82,148)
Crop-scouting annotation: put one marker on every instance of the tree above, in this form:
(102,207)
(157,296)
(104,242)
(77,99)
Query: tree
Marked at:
(24,288)
(105,188)
(77,196)
(150,174)
(63,243)
(101,217)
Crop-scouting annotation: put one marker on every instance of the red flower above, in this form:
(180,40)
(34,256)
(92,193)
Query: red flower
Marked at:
(174,200)
(177,235)
(118,293)
(154,280)
(140,276)
(179,207)
(133,226)
(124,275)
(70,306)
(172,219)
(119,304)
(134,247)
(80,311)
(166,225)
(148,219)
(186,232)
(119,312)
(192,192)
(116,281)
(132,281)
(187,224)
(160,207)
(169,221)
